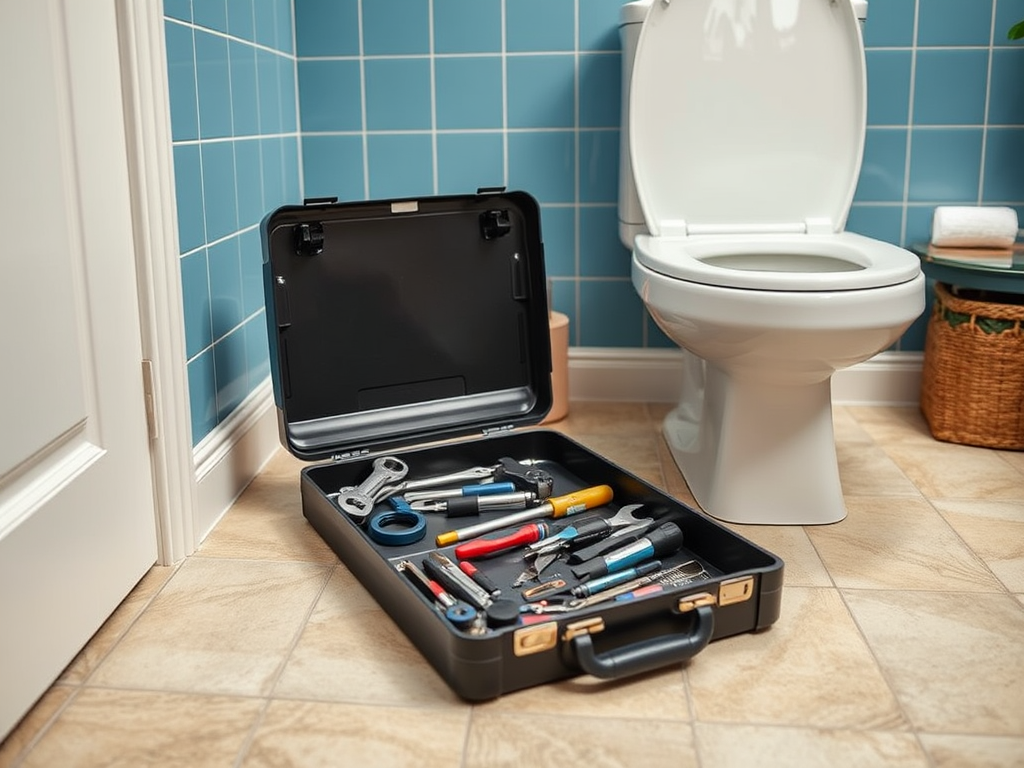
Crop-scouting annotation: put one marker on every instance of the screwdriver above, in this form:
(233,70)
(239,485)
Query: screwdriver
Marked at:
(561,506)
(485,546)
(666,539)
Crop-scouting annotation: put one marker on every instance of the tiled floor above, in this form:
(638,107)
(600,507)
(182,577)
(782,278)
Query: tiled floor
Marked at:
(901,641)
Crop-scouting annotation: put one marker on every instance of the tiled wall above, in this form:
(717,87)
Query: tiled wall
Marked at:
(414,97)
(231,73)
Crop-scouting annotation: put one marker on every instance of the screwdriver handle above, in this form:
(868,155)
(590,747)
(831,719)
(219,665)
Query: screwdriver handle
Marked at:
(488,546)
(579,501)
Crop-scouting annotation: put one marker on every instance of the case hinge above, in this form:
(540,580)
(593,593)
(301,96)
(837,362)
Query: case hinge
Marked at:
(487,432)
(310,239)
(150,399)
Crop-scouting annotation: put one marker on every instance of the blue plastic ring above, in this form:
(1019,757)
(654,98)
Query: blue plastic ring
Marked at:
(409,526)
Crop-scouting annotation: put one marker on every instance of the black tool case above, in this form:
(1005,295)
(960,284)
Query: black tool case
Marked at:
(419,329)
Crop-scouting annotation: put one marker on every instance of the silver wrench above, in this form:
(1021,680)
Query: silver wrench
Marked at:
(357,501)
(453,478)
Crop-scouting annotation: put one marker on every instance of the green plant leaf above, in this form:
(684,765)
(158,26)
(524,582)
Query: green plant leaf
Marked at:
(1016,31)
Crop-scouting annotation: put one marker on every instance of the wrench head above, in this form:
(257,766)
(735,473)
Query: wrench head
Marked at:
(625,517)
(526,478)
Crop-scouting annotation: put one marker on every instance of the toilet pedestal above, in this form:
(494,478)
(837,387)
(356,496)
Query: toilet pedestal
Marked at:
(757,453)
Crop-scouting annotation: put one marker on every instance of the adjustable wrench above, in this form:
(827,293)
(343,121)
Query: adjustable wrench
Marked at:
(357,501)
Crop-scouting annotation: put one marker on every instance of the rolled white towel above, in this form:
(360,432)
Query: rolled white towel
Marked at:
(974,227)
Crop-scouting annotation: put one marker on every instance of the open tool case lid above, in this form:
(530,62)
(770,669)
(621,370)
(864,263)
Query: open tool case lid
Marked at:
(400,322)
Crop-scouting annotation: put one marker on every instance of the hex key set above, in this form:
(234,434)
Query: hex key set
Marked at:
(410,358)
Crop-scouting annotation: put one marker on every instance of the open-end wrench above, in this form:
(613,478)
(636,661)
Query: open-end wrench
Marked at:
(452,478)
(357,501)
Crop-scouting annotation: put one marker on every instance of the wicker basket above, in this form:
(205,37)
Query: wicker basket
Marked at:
(972,389)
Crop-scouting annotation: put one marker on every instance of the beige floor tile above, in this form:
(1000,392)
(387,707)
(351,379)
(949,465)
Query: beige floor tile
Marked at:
(846,427)
(898,543)
(955,661)
(266,521)
(675,484)
(892,425)
(309,734)
(113,629)
(866,470)
(803,566)
(739,746)
(995,531)
(812,668)
(134,728)
(659,695)
(1015,459)
(33,724)
(218,626)
(505,740)
(948,471)
(636,453)
(595,418)
(351,651)
(955,751)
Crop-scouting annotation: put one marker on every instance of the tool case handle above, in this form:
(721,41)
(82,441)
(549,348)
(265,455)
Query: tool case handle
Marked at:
(645,655)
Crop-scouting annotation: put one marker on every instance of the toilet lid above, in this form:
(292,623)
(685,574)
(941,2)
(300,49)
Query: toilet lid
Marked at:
(747,116)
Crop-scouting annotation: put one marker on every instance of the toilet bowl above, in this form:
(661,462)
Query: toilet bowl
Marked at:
(745,124)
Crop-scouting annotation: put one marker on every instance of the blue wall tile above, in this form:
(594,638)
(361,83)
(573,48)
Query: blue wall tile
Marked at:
(327,27)
(540,25)
(398,94)
(240,19)
(600,78)
(889,105)
(225,286)
(244,90)
(564,300)
(400,165)
(396,27)
(248,183)
(540,91)
(469,92)
(332,166)
(271,114)
(882,171)
(202,395)
(1006,97)
(265,22)
(945,165)
(178,9)
(195,285)
(188,192)
(212,14)
(250,253)
(329,96)
(558,228)
(220,202)
(949,87)
(890,23)
(467,26)
(954,22)
(611,314)
(599,242)
(230,370)
(214,83)
(1004,180)
(882,222)
(181,81)
(599,166)
(599,25)
(257,352)
(1008,13)
(544,164)
(468,161)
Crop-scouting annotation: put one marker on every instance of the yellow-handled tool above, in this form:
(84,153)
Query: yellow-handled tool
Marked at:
(560,506)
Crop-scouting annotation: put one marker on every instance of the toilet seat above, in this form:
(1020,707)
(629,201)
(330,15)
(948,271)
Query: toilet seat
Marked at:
(763,118)
(834,262)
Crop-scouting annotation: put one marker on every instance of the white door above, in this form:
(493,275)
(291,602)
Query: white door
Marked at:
(77,525)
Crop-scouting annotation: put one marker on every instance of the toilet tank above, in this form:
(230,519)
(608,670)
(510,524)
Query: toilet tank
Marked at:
(631,17)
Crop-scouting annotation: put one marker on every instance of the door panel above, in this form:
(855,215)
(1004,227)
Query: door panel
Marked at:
(77,524)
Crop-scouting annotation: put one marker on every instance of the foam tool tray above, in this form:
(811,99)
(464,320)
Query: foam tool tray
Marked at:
(414,333)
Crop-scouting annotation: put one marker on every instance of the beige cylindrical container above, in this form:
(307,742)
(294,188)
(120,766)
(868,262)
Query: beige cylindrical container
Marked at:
(559,326)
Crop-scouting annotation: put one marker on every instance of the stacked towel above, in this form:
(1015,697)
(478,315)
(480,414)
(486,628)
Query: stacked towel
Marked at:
(974,227)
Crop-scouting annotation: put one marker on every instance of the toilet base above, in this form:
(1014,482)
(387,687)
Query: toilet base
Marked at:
(756,453)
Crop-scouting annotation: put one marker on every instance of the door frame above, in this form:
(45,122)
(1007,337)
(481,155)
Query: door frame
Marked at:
(154,213)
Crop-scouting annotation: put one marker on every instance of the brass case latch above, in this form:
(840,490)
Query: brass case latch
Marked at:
(736,590)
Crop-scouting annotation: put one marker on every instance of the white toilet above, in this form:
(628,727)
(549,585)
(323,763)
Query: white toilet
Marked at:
(745,128)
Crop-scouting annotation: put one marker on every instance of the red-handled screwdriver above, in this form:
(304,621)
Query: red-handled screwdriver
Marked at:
(483,547)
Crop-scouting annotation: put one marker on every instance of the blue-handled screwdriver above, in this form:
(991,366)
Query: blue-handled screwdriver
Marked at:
(664,540)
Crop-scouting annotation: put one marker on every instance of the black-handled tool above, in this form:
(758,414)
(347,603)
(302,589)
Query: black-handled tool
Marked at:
(664,540)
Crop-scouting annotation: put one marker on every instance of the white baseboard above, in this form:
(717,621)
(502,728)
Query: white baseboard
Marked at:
(654,376)
(232,455)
